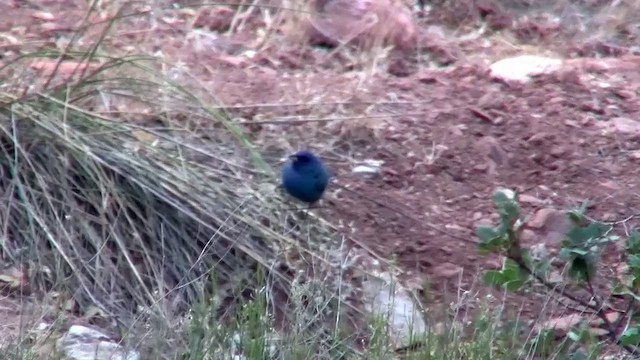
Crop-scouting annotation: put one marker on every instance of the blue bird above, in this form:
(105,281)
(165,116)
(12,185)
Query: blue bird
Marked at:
(305,177)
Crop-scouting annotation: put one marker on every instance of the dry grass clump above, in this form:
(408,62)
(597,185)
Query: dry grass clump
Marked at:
(113,200)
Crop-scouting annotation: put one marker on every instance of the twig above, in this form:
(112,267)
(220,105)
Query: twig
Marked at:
(626,313)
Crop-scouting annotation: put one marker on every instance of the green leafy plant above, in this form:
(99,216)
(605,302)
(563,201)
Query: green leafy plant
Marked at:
(580,250)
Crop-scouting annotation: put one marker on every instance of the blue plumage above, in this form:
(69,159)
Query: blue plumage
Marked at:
(305,177)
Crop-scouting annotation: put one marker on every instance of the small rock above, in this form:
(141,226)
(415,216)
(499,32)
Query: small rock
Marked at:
(555,277)
(440,328)
(446,250)
(485,222)
(368,167)
(548,217)
(215,19)
(83,343)
(457,130)
(495,155)
(598,331)
(622,124)
(611,317)
(493,264)
(528,236)
(441,50)
(538,138)
(529,199)
(572,123)
(558,151)
(447,270)
(43,15)
(610,184)
(539,252)
(551,225)
(394,304)
(481,167)
(66,69)
(521,68)
(562,324)
(624,93)
(362,21)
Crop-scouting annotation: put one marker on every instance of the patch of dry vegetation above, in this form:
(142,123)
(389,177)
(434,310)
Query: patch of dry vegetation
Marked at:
(120,208)
(131,199)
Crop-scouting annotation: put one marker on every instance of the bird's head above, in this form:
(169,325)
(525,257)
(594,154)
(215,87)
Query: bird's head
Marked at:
(303,158)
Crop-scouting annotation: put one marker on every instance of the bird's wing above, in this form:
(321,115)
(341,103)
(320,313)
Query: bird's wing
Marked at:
(320,183)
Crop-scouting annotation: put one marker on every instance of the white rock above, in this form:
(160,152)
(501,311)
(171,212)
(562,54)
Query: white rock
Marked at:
(368,166)
(396,306)
(521,68)
(539,252)
(83,343)
(621,125)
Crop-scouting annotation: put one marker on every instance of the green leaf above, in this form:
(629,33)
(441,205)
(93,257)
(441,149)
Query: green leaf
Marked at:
(565,251)
(507,204)
(633,260)
(578,252)
(515,278)
(514,285)
(631,336)
(633,243)
(487,233)
(634,263)
(576,216)
(581,268)
(578,354)
(511,277)
(493,278)
(502,196)
(509,213)
(510,265)
(574,336)
(491,239)
(619,288)
(582,235)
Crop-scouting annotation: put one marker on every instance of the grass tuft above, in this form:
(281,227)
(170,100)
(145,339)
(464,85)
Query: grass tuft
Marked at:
(116,202)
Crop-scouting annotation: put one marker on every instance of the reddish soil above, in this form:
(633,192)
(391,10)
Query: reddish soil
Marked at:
(543,138)
(546,144)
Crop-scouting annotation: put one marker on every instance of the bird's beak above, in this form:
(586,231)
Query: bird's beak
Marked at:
(286,158)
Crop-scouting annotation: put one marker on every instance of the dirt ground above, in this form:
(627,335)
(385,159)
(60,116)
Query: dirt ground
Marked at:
(448,135)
